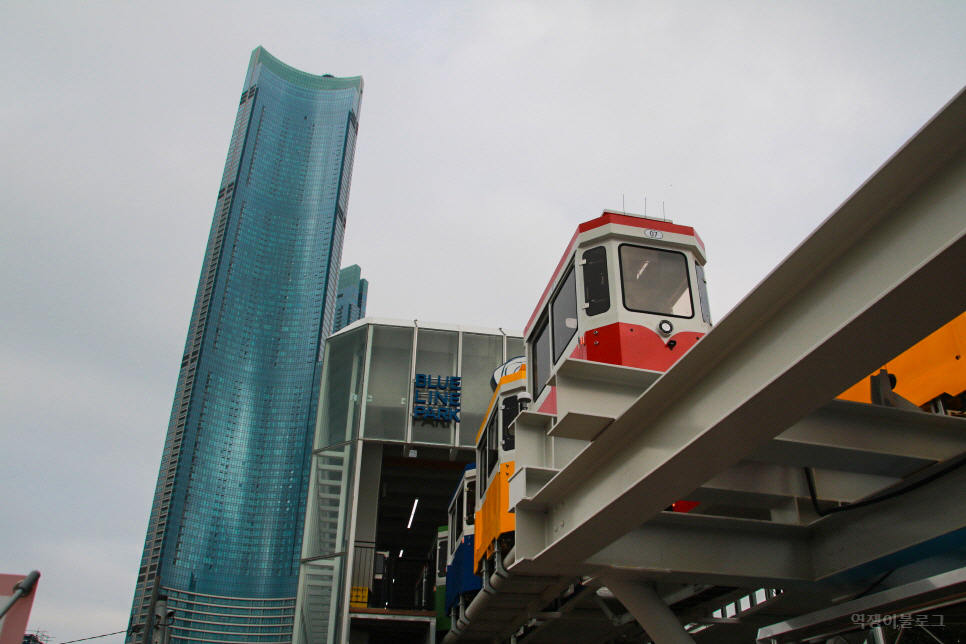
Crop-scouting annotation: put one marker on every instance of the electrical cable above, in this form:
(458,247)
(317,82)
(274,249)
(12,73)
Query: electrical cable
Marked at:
(84,639)
(929,633)
(903,487)
(874,585)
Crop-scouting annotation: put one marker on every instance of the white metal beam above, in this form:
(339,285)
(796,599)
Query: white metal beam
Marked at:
(712,550)
(768,485)
(920,596)
(869,439)
(919,524)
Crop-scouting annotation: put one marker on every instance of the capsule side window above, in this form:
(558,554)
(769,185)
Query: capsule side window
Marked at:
(493,440)
(540,357)
(455,517)
(441,557)
(487,455)
(452,515)
(511,408)
(470,502)
(655,281)
(563,313)
(596,282)
(481,454)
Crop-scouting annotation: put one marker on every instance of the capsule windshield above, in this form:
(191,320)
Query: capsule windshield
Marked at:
(655,281)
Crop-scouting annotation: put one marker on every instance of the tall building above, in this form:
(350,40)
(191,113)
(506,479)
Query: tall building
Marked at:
(385,472)
(350,303)
(224,536)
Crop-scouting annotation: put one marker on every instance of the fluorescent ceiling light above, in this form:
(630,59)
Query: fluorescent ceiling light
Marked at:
(412,514)
(400,553)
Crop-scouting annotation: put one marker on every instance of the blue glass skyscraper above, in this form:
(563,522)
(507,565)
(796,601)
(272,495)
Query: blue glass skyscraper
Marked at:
(350,303)
(224,536)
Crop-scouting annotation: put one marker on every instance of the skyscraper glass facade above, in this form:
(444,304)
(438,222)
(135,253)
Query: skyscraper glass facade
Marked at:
(225,531)
(350,303)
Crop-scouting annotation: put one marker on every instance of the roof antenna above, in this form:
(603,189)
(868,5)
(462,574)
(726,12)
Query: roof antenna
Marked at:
(623,207)
(645,206)
(663,213)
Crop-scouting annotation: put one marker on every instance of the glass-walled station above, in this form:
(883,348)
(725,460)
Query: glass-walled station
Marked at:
(400,405)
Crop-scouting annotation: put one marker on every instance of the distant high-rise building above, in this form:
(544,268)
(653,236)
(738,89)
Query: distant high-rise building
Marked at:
(221,557)
(350,303)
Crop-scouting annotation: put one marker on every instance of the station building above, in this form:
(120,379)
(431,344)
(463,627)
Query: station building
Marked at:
(399,408)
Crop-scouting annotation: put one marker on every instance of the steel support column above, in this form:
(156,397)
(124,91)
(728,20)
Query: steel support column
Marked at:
(649,610)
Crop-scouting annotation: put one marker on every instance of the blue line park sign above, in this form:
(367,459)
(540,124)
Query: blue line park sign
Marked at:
(437,398)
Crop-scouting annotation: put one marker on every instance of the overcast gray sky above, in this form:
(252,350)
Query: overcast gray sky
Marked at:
(488,131)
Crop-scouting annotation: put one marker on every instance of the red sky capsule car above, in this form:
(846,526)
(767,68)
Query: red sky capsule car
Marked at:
(628,291)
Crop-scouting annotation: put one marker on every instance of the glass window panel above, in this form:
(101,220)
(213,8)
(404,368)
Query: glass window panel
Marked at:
(436,355)
(514,348)
(482,354)
(342,396)
(330,499)
(541,359)
(655,281)
(322,588)
(596,284)
(564,314)
(436,352)
(387,403)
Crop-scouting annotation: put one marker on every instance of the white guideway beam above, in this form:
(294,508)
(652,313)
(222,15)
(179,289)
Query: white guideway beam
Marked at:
(880,273)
